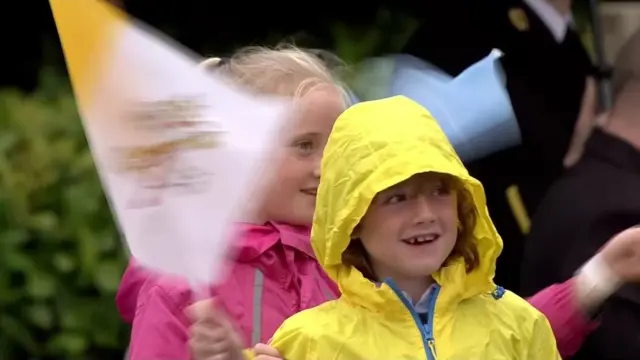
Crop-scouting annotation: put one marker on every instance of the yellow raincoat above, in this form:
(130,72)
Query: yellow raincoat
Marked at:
(373,146)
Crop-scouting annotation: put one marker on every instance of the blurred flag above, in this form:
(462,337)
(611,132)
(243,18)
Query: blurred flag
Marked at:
(178,151)
(473,109)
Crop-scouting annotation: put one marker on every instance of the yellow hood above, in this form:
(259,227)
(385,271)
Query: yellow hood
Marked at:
(375,145)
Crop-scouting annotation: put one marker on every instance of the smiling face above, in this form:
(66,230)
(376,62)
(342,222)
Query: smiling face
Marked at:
(292,196)
(411,228)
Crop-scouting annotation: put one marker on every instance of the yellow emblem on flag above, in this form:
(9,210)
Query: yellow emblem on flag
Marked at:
(159,166)
(519,19)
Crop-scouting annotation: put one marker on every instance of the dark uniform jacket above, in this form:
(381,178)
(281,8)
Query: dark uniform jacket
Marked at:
(593,201)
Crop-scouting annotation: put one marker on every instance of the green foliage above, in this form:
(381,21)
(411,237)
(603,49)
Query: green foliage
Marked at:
(60,255)
(387,35)
(359,46)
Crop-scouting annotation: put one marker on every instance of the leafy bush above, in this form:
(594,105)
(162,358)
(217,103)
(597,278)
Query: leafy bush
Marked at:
(60,254)
(387,35)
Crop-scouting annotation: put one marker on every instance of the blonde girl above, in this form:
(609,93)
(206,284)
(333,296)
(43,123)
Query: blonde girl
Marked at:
(274,273)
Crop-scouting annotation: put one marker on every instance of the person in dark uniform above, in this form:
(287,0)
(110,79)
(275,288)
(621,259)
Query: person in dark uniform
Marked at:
(546,68)
(596,199)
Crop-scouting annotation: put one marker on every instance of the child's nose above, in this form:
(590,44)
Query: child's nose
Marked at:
(424,211)
(316,167)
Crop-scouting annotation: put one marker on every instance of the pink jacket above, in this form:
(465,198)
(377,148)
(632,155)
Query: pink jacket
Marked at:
(570,327)
(274,276)
(276,269)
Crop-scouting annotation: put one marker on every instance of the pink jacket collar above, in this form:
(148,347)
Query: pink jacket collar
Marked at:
(254,240)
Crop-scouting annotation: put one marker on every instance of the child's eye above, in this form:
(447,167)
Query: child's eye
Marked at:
(305,146)
(441,191)
(394,199)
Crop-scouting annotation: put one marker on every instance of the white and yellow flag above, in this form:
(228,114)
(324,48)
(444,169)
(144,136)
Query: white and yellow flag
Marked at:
(178,151)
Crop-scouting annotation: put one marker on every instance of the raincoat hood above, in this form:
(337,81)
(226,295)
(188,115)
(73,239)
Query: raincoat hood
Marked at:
(373,146)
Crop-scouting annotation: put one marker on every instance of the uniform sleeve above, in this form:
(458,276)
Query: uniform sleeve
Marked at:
(570,326)
(542,344)
(160,328)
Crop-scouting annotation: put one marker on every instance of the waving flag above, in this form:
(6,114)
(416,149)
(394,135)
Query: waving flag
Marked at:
(178,151)
(473,109)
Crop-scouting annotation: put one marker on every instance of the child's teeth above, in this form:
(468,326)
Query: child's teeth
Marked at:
(421,239)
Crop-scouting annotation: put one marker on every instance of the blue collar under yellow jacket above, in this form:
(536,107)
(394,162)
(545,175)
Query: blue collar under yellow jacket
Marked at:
(375,145)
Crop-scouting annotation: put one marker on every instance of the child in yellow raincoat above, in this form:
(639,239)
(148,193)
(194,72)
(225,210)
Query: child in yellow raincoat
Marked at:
(404,231)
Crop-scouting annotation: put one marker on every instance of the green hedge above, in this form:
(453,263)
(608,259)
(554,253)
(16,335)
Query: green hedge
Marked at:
(60,254)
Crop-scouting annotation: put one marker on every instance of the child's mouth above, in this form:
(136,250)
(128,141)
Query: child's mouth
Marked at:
(421,239)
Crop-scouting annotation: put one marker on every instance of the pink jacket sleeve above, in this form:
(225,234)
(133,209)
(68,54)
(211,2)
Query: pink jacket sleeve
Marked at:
(160,328)
(570,327)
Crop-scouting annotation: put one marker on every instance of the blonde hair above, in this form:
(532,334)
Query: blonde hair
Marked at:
(465,247)
(284,70)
